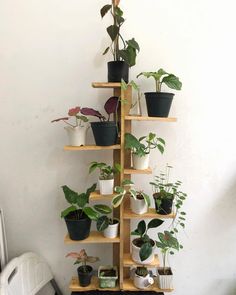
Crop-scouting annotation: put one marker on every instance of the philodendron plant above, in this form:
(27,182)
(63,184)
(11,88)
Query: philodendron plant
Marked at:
(106,171)
(144,242)
(128,50)
(161,77)
(127,187)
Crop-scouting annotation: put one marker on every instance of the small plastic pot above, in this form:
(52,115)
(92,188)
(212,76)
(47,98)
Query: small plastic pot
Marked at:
(140,163)
(85,275)
(105,133)
(118,70)
(166,204)
(112,230)
(106,186)
(158,103)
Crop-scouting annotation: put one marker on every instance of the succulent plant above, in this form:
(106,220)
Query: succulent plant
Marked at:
(141,271)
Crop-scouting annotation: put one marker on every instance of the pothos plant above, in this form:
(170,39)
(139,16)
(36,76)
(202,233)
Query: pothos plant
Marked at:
(128,50)
(127,188)
(82,258)
(143,145)
(75,113)
(144,240)
(106,171)
(79,204)
(161,77)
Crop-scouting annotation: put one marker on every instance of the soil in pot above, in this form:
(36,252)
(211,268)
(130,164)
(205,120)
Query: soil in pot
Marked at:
(118,70)
(167,272)
(105,133)
(78,225)
(85,275)
(158,103)
(108,273)
(165,206)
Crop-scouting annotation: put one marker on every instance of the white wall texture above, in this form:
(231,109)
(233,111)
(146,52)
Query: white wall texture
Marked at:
(50,52)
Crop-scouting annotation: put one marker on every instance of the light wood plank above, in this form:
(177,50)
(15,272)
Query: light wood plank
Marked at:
(129,286)
(96,196)
(106,85)
(128,261)
(94,238)
(146,118)
(91,147)
(137,171)
(75,286)
(128,214)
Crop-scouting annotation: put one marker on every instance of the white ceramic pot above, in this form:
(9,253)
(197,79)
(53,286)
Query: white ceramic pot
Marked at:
(112,230)
(136,258)
(143,282)
(140,162)
(76,135)
(106,186)
(165,281)
(138,206)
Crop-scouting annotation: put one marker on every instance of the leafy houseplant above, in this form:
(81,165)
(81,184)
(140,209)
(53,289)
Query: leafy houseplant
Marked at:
(142,279)
(78,215)
(124,55)
(105,131)
(84,271)
(77,130)
(108,276)
(141,148)
(143,247)
(159,103)
(166,192)
(106,178)
(140,201)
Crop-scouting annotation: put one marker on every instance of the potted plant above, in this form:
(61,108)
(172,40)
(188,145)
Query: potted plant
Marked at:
(143,246)
(106,177)
(107,276)
(139,201)
(142,278)
(105,131)
(124,52)
(141,148)
(84,271)
(159,103)
(78,215)
(166,192)
(76,131)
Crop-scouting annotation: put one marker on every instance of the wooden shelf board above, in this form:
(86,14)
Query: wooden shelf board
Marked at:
(75,287)
(106,85)
(97,196)
(129,286)
(147,118)
(128,262)
(91,147)
(128,214)
(94,238)
(137,171)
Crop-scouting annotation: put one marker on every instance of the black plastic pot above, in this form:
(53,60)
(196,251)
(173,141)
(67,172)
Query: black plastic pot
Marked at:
(158,103)
(105,133)
(85,275)
(78,229)
(166,204)
(118,70)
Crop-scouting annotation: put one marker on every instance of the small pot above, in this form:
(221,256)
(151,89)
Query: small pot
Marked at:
(143,282)
(85,275)
(118,70)
(107,281)
(140,163)
(165,206)
(138,206)
(106,186)
(78,229)
(135,253)
(105,133)
(112,230)
(76,135)
(165,281)
(158,103)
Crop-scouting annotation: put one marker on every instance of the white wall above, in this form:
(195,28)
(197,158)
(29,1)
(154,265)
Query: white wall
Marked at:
(50,52)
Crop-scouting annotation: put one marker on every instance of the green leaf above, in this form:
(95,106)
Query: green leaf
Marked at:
(91,189)
(160,245)
(145,251)
(155,223)
(102,223)
(70,195)
(103,209)
(117,200)
(119,190)
(82,200)
(82,118)
(133,193)
(65,212)
(105,9)
(135,233)
(134,44)
(160,148)
(113,31)
(91,213)
(106,50)
(146,199)
(127,182)
(142,227)
(172,82)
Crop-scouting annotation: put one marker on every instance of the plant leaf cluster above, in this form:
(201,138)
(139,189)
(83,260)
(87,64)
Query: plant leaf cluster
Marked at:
(106,171)
(82,258)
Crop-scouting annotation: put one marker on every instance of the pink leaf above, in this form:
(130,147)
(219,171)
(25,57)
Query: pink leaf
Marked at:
(91,112)
(111,105)
(74,111)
